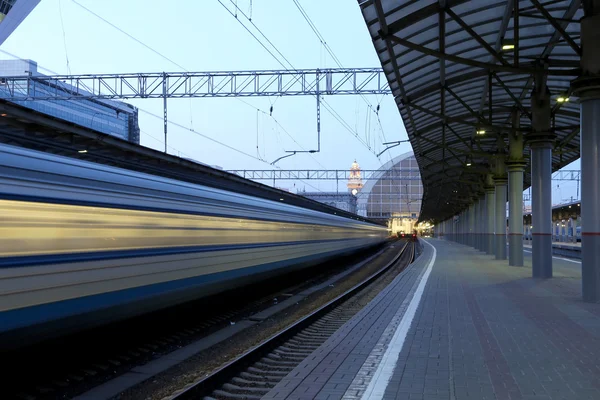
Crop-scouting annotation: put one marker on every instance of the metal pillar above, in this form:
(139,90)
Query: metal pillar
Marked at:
(476,224)
(541,179)
(516,167)
(482,223)
(588,89)
(490,225)
(465,229)
(463,226)
(500,182)
(472,225)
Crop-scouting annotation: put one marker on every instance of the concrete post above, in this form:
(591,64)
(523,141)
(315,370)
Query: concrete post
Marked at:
(541,174)
(500,182)
(459,228)
(588,89)
(482,220)
(461,223)
(490,225)
(477,219)
(516,168)
(466,227)
(472,218)
(479,227)
(483,223)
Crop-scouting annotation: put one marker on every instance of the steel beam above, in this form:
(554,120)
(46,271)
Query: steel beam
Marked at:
(395,174)
(331,81)
(522,69)
(557,26)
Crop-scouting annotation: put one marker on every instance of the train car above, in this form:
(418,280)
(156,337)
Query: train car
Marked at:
(83,244)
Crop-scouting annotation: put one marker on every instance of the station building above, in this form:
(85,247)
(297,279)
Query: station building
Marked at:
(394,194)
(115,118)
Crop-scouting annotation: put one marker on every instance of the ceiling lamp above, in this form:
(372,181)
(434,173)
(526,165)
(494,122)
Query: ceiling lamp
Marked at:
(508,46)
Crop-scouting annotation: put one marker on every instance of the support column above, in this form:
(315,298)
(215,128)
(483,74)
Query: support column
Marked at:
(476,224)
(481,222)
(482,239)
(500,182)
(490,223)
(459,225)
(588,89)
(516,168)
(472,225)
(541,140)
(463,227)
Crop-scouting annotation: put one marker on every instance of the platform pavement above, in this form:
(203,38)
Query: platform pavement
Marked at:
(482,330)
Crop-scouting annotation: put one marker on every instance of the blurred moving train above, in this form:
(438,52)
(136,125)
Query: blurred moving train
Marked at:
(83,244)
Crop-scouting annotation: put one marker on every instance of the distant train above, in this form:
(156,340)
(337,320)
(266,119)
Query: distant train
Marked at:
(569,234)
(83,244)
(404,235)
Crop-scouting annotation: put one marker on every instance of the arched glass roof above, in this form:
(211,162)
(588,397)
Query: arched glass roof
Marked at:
(397,191)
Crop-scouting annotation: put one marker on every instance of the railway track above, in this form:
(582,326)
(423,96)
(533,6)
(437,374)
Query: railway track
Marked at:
(257,371)
(119,347)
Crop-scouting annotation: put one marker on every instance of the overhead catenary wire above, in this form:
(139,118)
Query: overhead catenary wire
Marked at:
(283,129)
(170,60)
(329,50)
(62,25)
(291,67)
(159,116)
(202,135)
(325,104)
(129,35)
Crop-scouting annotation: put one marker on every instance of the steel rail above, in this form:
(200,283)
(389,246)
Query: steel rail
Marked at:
(226,372)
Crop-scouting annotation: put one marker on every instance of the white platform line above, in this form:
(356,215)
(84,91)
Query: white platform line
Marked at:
(383,374)
(560,258)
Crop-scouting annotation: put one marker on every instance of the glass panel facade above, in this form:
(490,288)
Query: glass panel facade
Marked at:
(111,117)
(395,196)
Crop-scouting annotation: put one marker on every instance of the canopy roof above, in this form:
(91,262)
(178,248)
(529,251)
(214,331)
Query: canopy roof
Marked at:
(441,59)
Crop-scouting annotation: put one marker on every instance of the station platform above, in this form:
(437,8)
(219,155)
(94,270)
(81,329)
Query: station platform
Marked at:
(566,244)
(565,249)
(458,324)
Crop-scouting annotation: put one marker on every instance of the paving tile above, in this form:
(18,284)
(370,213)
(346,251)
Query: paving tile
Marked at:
(483,330)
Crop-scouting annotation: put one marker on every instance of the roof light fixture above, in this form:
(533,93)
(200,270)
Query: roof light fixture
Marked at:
(82,151)
(480,131)
(508,45)
(562,99)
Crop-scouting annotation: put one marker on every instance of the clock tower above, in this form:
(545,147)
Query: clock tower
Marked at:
(355,180)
